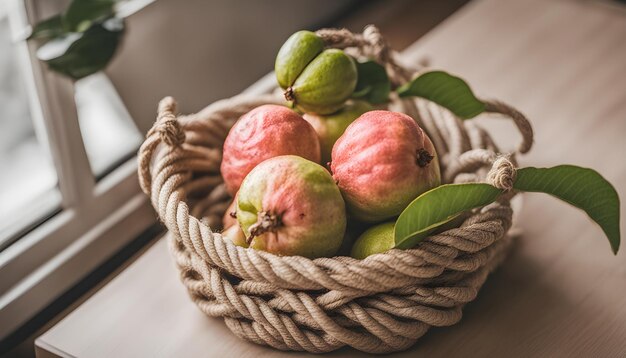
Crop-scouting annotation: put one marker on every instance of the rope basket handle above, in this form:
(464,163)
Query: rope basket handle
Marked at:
(166,129)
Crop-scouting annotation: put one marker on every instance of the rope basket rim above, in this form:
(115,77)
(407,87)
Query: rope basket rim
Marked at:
(166,112)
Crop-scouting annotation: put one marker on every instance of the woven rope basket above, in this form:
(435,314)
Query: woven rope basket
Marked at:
(381,304)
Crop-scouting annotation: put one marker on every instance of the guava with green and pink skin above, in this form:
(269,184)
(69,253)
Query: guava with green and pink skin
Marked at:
(381,163)
(288,205)
(330,127)
(265,132)
(375,240)
(235,235)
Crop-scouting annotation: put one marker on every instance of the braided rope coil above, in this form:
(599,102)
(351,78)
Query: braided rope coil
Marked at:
(381,304)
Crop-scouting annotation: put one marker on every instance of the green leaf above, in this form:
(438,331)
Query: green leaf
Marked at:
(437,207)
(373,83)
(80,54)
(583,188)
(447,91)
(82,14)
(48,28)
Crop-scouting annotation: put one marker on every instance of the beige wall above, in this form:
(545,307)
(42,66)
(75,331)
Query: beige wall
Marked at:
(199,51)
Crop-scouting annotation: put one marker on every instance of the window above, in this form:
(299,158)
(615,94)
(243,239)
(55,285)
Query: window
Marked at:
(69,196)
(27,175)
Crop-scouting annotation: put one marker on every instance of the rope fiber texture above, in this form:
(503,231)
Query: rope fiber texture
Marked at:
(381,304)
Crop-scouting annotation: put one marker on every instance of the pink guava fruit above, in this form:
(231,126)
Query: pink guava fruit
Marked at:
(381,163)
(288,205)
(265,132)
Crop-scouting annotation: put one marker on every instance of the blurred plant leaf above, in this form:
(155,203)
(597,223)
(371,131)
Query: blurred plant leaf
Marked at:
(583,188)
(437,207)
(82,14)
(48,28)
(373,83)
(447,91)
(79,54)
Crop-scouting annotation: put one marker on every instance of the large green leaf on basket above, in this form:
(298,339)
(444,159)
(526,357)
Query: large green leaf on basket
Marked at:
(373,84)
(79,54)
(447,91)
(438,206)
(583,188)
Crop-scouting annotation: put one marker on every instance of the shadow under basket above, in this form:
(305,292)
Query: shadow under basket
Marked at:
(381,304)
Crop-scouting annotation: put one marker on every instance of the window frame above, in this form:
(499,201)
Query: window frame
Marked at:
(97,217)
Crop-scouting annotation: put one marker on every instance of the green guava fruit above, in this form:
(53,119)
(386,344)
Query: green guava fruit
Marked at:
(330,127)
(380,238)
(288,205)
(315,80)
(295,54)
(325,83)
(375,240)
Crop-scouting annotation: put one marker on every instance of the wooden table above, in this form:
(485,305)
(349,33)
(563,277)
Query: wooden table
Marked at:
(561,292)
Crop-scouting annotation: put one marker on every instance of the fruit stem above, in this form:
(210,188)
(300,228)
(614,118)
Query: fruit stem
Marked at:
(265,222)
(290,95)
(423,157)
